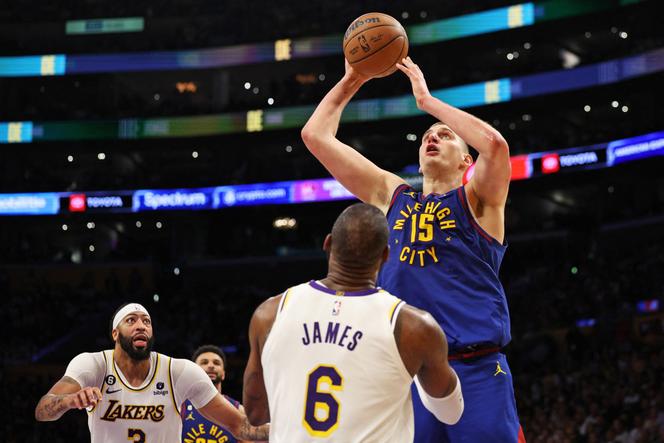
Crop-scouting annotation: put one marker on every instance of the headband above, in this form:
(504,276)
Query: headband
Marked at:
(125,311)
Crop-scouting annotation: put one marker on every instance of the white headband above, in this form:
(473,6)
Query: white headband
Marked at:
(130,308)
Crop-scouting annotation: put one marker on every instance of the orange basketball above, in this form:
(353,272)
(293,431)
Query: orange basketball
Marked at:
(374,43)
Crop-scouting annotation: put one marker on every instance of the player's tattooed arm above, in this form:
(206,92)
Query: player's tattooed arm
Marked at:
(253,433)
(66,394)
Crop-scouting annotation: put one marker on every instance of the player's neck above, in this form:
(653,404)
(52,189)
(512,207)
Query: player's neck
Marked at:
(218,386)
(135,371)
(349,281)
(440,185)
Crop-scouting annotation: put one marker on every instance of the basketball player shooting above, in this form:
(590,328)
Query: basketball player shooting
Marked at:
(131,393)
(333,360)
(447,244)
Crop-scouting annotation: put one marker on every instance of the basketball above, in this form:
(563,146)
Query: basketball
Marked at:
(374,43)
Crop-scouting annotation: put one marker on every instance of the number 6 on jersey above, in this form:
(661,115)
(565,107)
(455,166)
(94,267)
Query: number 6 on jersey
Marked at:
(321,411)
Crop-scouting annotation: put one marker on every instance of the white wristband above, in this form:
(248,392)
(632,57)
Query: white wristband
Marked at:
(447,409)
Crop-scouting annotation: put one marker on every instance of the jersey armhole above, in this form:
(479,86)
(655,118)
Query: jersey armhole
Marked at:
(395,194)
(170,381)
(103,381)
(283,301)
(471,218)
(394,314)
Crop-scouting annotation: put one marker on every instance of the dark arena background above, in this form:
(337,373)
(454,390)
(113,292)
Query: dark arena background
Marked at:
(151,152)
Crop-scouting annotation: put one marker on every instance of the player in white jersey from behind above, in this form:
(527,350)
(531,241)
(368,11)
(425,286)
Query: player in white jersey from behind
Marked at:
(133,394)
(333,360)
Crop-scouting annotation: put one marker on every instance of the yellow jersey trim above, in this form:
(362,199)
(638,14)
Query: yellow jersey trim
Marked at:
(170,382)
(103,382)
(285,300)
(392,309)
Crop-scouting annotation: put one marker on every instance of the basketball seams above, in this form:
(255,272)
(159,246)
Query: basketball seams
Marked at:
(392,67)
(348,40)
(380,49)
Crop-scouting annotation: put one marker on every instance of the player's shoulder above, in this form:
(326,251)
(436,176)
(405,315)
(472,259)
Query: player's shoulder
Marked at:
(267,310)
(182,364)
(417,323)
(186,371)
(96,358)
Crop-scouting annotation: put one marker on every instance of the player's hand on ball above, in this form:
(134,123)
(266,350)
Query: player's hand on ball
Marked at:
(417,81)
(354,74)
(84,398)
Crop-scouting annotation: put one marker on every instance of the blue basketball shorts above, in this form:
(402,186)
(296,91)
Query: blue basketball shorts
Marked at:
(489,415)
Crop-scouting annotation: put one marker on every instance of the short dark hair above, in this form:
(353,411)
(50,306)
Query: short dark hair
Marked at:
(209,348)
(360,235)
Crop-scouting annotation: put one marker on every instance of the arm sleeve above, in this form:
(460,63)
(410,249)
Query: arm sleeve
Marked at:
(447,409)
(192,383)
(87,369)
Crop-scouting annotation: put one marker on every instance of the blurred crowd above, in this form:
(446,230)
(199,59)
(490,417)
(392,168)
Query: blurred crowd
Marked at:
(575,383)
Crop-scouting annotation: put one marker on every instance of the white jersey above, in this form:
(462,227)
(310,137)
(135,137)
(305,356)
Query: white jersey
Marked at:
(332,368)
(146,413)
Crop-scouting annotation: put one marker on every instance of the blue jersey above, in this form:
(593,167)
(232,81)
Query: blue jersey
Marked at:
(442,261)
(196,428)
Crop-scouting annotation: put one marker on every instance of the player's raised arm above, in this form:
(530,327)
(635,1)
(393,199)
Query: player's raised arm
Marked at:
(423,348)
(254,394)
(355,172)
(493,169)
(66,394)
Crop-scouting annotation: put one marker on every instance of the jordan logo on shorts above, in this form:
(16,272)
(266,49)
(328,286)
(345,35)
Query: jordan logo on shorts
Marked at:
(499,370)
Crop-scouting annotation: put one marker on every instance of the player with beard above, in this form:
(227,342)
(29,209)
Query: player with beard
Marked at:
(195,427)
(132,393)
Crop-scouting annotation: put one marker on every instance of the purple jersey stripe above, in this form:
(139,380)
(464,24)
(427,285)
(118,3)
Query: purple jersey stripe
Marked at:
(314,284)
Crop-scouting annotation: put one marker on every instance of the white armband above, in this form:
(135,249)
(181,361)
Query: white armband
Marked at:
(447,409)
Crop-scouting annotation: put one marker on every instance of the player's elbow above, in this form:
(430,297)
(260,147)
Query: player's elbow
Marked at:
(256,416)
(498,144)
(309,137)
(39,414)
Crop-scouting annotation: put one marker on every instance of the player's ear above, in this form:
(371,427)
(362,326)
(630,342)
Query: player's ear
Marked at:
(327,243)
(114,334)
(386,255)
